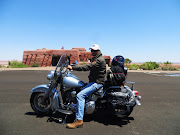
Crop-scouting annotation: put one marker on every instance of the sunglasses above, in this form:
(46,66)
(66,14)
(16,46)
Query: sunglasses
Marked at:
(93,50)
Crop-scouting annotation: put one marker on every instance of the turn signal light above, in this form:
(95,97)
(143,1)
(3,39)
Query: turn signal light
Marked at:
(136,93)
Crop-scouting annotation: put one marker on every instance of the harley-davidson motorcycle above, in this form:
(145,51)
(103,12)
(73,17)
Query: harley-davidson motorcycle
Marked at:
(62,90)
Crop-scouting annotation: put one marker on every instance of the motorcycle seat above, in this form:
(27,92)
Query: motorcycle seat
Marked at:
(114,87)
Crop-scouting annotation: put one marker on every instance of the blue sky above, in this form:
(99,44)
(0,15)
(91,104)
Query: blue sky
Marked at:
(141,30)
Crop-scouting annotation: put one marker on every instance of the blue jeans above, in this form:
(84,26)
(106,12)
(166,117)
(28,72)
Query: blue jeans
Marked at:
(85,92)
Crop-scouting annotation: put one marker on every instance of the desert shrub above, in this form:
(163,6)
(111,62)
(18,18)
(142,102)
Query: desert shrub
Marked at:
(149,66)
(16,64)
(83,63)
(171,68)
(133,67)
(167,62)
(127,61)
(35,64)
(1,66)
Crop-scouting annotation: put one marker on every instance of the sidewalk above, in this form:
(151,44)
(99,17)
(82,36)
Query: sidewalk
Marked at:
(53,68)
(29,68)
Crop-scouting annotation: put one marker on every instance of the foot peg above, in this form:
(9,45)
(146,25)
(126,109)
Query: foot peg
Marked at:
(65,112)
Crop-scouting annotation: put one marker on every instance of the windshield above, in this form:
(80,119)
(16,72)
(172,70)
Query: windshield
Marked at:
(63,62)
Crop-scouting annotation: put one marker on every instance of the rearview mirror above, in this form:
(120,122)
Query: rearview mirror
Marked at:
(77,62)
(67,60)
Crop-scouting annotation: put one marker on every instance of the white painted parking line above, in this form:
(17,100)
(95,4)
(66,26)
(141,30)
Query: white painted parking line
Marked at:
(167,74)
(173,74)
(153,73)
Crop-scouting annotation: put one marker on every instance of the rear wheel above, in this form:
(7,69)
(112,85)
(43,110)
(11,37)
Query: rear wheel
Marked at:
(37,105)
(119,110)
(123,111)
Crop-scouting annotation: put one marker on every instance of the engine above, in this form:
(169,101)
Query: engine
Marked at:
(70,100)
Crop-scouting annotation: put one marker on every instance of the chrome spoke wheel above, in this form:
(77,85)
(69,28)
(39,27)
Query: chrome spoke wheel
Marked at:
(38,106)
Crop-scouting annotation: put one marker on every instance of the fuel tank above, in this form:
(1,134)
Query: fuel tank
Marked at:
(71,81)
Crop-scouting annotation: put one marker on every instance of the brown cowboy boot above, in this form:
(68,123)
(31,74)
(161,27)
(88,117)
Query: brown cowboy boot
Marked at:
(76,124)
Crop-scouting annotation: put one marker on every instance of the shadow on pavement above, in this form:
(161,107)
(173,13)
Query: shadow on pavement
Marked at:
(108,119)
(55,117)
(100,117)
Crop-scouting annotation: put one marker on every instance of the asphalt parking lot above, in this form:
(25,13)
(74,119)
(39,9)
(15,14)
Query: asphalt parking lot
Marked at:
(158,115)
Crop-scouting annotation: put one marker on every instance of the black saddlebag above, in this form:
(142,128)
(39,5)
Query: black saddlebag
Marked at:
(120,97)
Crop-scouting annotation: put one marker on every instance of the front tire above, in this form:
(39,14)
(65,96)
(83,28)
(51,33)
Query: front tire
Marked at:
(37,106)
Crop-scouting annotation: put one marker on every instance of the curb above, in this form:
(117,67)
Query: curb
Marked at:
(53,68)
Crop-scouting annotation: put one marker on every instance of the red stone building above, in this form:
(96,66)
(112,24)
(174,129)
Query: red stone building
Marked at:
(49,57)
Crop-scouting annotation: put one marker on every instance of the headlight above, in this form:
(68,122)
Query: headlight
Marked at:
(50,76)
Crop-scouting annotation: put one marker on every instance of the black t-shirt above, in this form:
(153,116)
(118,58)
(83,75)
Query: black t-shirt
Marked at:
(116,75)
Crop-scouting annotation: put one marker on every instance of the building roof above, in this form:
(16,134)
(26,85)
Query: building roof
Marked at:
(79,49)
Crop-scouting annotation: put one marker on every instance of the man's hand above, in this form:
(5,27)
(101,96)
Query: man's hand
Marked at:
(69,67)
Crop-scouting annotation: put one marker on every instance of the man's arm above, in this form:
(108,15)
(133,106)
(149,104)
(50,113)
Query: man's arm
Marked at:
(85,67)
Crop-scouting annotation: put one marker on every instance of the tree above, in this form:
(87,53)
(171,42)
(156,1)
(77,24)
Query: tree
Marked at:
(167,63)
(128,61)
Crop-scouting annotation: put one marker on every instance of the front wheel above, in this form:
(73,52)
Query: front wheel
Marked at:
(38,106)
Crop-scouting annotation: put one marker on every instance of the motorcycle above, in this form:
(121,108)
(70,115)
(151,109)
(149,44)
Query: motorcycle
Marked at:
(62,90)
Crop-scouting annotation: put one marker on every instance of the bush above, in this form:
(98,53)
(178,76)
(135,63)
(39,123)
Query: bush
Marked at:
(149,66)
(83,63)
(167,63)
(171,68)
(35,64)
(16,64)
(1,66)
(133,67)
(127,61)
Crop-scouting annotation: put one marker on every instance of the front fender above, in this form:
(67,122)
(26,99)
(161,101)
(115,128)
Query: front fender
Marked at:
(40,88)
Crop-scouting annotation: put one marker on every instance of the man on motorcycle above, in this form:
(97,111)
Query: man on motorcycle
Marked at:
(96,79)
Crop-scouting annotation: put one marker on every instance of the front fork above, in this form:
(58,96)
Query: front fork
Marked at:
(55,100)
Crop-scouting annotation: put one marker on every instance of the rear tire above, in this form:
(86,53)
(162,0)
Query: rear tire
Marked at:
(123,112)
(37,106)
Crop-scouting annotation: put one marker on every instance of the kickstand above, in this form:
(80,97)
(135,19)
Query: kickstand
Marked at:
(128,119)
(63,121)
(50,119)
